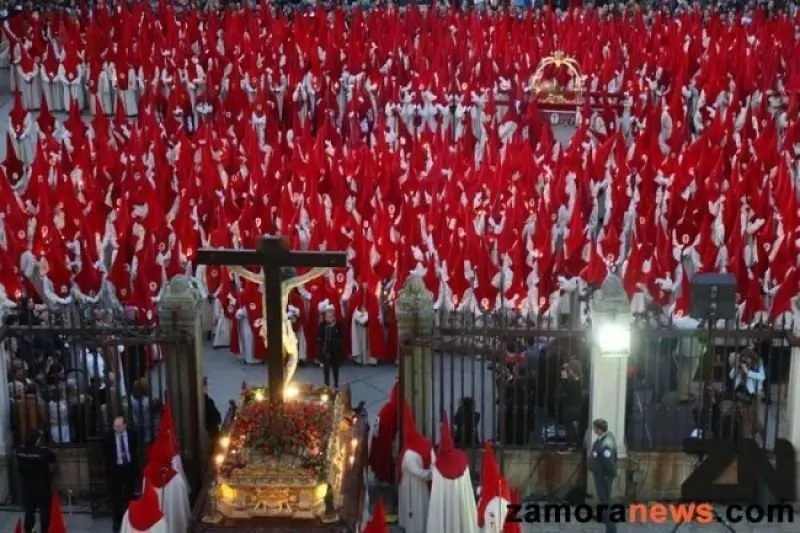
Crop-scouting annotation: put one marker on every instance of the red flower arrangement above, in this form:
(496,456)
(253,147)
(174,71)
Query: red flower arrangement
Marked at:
(299,429)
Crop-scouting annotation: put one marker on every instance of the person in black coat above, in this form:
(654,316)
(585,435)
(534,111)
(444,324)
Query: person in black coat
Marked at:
(36,465)
(329,338)
(213,416)
(121,447)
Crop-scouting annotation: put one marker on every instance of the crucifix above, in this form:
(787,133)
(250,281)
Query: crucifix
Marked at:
(272,255)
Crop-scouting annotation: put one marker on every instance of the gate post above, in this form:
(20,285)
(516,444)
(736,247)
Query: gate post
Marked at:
(414,309)
(5,421)
(610,351)
(793,400)
(179,312)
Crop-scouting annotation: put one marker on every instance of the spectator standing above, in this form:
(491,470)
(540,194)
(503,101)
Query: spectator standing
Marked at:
(465,424)
(58,416)
(121,451)
(213,416)
(571,400)
(329,338)
(29,410)
(747,376)
(36,467)
(142,410)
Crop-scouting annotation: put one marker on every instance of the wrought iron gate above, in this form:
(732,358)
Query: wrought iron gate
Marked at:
(72,370)
(524,385)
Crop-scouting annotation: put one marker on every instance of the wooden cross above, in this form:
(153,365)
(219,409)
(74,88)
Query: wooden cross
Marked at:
(272,254)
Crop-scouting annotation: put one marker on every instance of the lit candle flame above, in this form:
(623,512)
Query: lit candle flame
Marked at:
(291,392)
(224,442)
(324,398)
(259,396)
(352,460)
(354,444)
(219,459)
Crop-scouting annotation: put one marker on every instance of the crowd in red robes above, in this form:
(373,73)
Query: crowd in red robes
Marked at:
(414,141)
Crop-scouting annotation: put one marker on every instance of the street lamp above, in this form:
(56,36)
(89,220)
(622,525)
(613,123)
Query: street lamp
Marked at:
(613,339)
(611,346)
(611,325)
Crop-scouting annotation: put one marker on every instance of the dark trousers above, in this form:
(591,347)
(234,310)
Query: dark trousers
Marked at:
(331,367)
(33,499)
(122,489)
(602,485)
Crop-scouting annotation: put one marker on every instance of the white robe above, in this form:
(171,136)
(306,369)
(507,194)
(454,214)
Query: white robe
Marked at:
(222,326)
(360,338)
(159,527)
(53,91)
(174,501)
(74,90)
(452,507)
(106,90)
(177,465)
(494,516)
(128,97)
(246,339)
(24,142)
(30,85)
(413,493)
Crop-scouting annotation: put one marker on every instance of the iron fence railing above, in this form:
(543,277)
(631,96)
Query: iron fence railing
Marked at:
(71,370)
(524,383)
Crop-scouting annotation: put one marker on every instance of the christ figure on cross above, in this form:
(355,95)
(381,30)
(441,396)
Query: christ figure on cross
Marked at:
(290,343)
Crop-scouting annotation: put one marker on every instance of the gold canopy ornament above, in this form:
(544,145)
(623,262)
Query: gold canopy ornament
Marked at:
(550,91)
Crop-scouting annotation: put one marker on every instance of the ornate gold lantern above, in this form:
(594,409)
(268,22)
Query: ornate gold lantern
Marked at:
(550,91)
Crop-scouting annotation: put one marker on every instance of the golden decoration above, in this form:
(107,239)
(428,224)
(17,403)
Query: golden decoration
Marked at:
(552,92)
(271,486)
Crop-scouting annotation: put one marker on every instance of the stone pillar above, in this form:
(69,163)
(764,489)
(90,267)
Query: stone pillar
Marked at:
(415,317)
(793,400)
(179,312)
(609,374)
(6,437)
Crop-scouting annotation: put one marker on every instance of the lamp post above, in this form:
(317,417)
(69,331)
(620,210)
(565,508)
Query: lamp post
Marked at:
(611,346)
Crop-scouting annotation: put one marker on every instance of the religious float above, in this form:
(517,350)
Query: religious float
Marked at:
(558,87)
(295,464)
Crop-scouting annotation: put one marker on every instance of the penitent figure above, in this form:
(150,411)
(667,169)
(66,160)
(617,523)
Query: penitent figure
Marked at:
(290,347)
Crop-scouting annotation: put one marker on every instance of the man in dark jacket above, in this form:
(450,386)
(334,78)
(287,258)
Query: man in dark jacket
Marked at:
(329,339)
(603,465)
(213,416)
(36,464)
(121,449)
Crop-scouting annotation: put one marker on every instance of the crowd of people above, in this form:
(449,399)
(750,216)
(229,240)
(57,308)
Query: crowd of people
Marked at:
(71,389)
(413,139)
